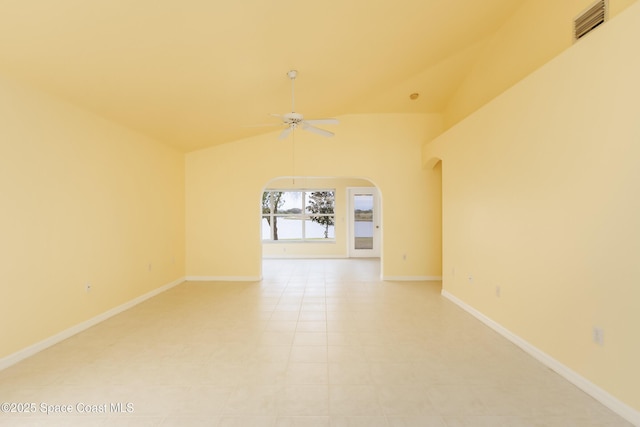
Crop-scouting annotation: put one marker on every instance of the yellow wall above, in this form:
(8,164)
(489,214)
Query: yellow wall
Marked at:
(225,183)
(337,248)
(82,200)
(541,196)
(537,32)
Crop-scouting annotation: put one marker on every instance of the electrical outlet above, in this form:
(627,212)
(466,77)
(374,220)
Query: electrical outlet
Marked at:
(498,291)
(598,335)
(470,279)
(87,287)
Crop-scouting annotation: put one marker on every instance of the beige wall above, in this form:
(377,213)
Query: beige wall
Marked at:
(541,196)
(225,183)
(536,33)
(82,200)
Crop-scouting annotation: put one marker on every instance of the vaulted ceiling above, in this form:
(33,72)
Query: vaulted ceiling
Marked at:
(195,73)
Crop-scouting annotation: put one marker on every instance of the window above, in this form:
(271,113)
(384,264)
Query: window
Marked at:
(298,215)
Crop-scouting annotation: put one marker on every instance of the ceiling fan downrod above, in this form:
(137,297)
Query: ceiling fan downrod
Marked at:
(292,74)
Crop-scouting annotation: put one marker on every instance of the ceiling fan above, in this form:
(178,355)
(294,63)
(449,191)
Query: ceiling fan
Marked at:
(295,120)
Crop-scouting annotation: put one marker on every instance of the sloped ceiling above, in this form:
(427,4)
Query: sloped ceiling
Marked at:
(198,73)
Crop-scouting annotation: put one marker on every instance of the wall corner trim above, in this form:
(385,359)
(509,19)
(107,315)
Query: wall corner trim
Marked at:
(29,351)
(601,395)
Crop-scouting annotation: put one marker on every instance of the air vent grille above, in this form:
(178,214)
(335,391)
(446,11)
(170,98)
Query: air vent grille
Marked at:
(588,20)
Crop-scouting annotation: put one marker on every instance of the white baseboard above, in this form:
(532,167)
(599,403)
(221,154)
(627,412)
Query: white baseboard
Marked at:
(284,256)
(223,278)
(20,355)
(412,278)
(604,397)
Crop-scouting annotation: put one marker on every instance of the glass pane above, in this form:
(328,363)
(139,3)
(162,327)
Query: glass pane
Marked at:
(320,202)
(290,202)
(282,202)
(269,199)
(286,228)
(363,221)
(320,208)
(266,228)
(320,230)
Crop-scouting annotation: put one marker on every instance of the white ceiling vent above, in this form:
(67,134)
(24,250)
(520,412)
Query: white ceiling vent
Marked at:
(588,20)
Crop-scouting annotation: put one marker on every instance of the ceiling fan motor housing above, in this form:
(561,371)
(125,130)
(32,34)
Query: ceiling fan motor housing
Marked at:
(293,118)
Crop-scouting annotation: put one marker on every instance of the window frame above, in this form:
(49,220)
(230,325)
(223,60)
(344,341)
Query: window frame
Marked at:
(303,216)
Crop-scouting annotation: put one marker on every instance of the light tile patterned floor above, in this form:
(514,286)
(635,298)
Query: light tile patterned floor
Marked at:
(317,343)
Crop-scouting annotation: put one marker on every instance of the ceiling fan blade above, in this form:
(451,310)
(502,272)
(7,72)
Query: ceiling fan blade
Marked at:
(285,133)
(323,121)
(307,126)
(259,125)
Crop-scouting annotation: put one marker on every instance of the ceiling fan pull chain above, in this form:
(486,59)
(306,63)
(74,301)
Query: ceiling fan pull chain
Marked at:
(293,157)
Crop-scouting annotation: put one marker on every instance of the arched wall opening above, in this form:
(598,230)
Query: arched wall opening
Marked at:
(224,185)
(338,245)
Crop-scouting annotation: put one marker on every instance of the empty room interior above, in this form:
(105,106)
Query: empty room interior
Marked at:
(408,213)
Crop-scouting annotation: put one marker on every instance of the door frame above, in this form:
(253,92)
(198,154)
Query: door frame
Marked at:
(352,252)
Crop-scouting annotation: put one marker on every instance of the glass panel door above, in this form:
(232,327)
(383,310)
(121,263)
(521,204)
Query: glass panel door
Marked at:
(364,223)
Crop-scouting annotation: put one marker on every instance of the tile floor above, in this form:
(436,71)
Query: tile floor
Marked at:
(316,343)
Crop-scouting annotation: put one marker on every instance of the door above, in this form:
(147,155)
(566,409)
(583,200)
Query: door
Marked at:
(364,222)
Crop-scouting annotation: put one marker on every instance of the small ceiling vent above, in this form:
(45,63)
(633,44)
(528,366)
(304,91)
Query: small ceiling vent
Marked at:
(588,20)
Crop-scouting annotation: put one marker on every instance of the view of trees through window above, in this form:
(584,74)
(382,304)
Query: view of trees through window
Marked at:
(304,215)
